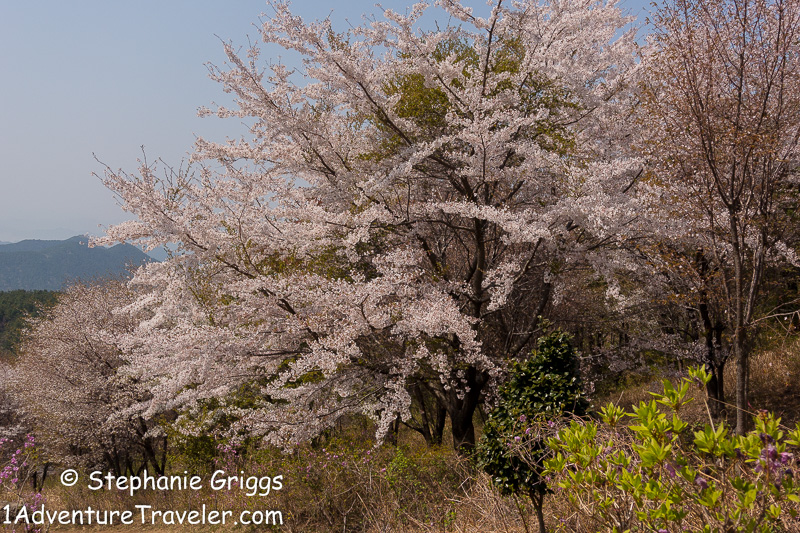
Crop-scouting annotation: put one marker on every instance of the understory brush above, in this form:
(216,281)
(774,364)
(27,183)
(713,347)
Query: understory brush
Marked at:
(653,460)
(340,483)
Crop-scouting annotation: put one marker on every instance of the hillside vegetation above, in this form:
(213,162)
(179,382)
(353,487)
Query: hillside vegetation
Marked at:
(15,307)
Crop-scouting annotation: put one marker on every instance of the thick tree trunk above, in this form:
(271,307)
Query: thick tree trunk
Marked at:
(462,409)
(463,435)
(38,482)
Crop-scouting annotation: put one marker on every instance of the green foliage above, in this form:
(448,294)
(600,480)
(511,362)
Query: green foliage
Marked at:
(662,474)
(197,436)
(427,105)
(15,307)
(544,387)
(193,452)
(548,382)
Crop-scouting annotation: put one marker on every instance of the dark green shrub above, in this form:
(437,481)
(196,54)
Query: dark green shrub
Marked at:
(544,387)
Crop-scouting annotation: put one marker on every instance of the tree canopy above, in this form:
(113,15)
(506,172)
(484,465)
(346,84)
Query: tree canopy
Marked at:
(400,218)
(721,110)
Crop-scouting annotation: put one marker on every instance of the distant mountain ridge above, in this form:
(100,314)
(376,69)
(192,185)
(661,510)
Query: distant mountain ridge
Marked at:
(49,265)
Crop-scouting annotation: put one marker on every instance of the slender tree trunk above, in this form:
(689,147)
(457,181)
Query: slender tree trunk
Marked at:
(438,429)
(715,365)
(739,344)
(716,390)
(432,412)
(425,426)
(742,386)
(712,331)
(164,454)
(538,505)
(712,389)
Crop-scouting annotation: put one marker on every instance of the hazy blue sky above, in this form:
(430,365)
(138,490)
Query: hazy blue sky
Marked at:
(107,77)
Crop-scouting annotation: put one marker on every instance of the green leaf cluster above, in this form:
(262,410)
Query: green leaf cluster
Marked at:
(662,474)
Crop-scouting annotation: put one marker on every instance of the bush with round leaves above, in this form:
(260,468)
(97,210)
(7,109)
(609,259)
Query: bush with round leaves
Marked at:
(544,387)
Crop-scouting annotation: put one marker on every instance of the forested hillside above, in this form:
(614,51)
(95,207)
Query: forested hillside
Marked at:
(48,265)
(15,306)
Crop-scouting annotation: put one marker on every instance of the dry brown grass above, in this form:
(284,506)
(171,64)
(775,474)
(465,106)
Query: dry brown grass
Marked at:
(774,387)
(774,381)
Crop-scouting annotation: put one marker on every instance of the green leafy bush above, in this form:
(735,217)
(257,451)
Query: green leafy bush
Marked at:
(659,474)
(544,387)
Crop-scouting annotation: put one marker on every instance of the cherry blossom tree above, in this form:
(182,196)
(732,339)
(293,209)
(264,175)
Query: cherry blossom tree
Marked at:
(13,421)
(723,110)
(395,225)
(71,380)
